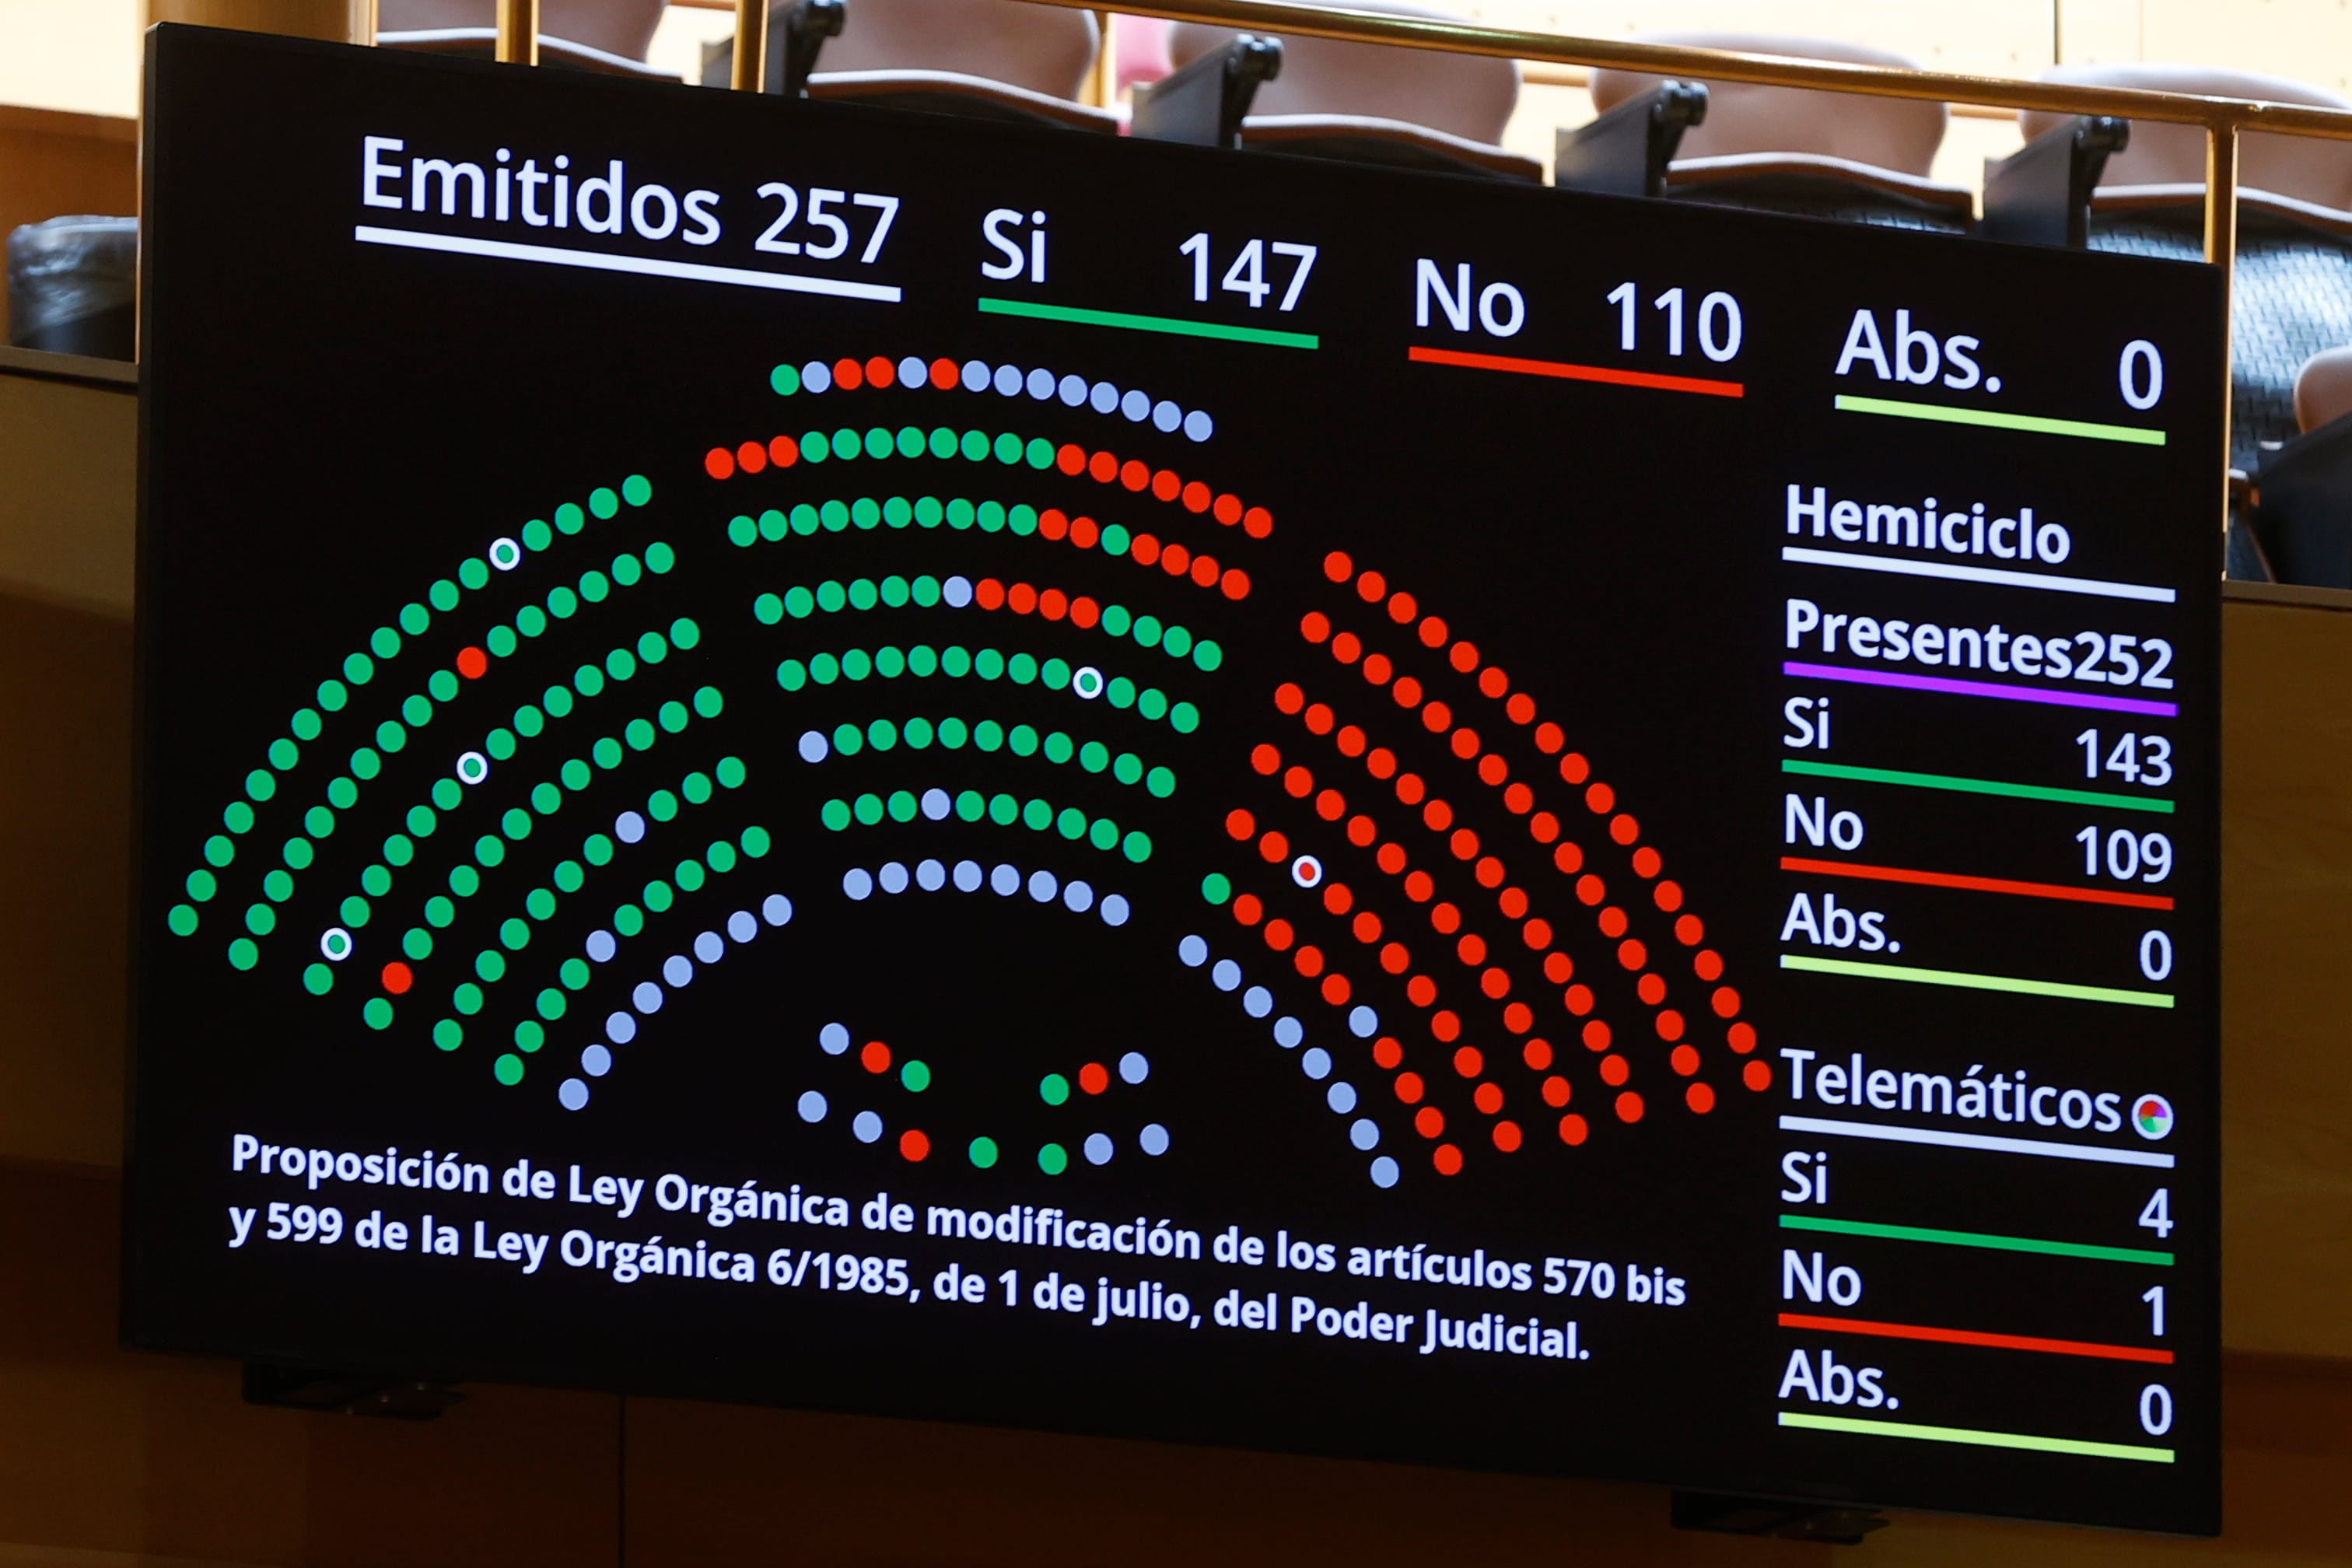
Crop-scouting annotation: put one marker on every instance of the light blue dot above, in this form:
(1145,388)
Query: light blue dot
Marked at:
(1043,885)
(776,909)
(1007,381)
(1098,1149)
(600,946)
(1136,405)
(930,876)
(1340,1097)
(647,997)
(812,1107)
(833,1038)
(1134,1068)
(572,1094)
(708,946)
(629,827)
(913,371)
(1114,910)
(1288,1032)
(975,375)
(1073,390)
(1104,398)
(936,804)
(1165,416)
(1226,975)
(1365,1133)
(814,746)
(596,1061)
(1363,1023)
(1316,1063)
(1154,1139)
(743,925)
(1079,897)
(1004,881)
(815,377)
(1194,952)
(621,1026)
(956,591)
(967,876)
(894,877)
(1384,1171)
(856,883)
(1257,1001)
(1200,427)
(1041,385)
(868,1127)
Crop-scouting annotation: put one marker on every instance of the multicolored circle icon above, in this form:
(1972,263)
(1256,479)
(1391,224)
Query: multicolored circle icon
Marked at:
(2152,1117)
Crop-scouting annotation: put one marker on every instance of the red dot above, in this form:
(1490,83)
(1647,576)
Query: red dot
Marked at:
(1572,1129)
(1235,585)
(1135,475)
(1336,990)
(1555,1091)
(1319,719)
(1647,863)
(989,594)
(1408,1084)
(1578,998)
(1558,968)
(1070,458)
(1173,559)
(1102,467)
(1699,1098)
(472,662)
(1401,609)
(945,375)
(1689,930)
(1094,1078)
(1166,486)
(1726,1002)
(1240,824)
(1742,1038)
(1670,1025)
(1274,847)
(1386,1052)
(1246,909)
(1757,1075)
(1429,1121)
(1315,627)
(1612,921)
(397,978)
(1468,1062)
(1667,895)
(1492,682)
(1519,1018)
(719,463)
(1337,567)
(1595,1035)
(880,371)
(1053,604)
(1257,522)
(1589,889)
(1022,597)
(750,456)
(1652,990)
(1631,953)
(1448,1160)
(1084,533)
(1278,935)
(1601,798)
(1432,632)
(1629,1107)
(1085,612)
(1488,1098)
(1624,829)
(875,1056)
(913,1144)
(1229,509)
(848,374)
(783,451)
(1574,769)
(1196,497)
(1614,1071)
(1445,1025)
(1289,698)
(1407,690)
(1685,1061)
(1548,738)
(1506,1136)
(1371,587)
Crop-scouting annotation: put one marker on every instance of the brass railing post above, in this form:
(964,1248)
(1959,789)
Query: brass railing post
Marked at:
(751,46)
(518,32)
(2221,250)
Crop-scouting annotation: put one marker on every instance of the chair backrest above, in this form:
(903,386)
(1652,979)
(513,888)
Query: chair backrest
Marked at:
(2304,167)
(1470,96)
(1046,48)
(1892,133)
(623,27)
(2322,389)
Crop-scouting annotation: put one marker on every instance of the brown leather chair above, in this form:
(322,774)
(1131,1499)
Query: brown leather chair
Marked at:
(1374,102)
(1791,149)
(607,36)
(996,58)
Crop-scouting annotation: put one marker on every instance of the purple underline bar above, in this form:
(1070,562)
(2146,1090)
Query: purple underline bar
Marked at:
(1984,689)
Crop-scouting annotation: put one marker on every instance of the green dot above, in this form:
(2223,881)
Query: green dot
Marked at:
(658,895)
(490,964)
(536,535)
(1184,718)
(550,1004)
(358,669)
(277,887)
(260,784)
(448,1034)
(465,882)
(604,503)
(508,1069)
(769,608)
(202,886)
(628,919)
(1205,654)
(984,1153)
(813,448)
(384,643)
(1003,810)
(1176,642)
(416,942)
(741,531)
(1127,769)
(283,754)
(570,877)
(355,911)
(467,998)
(662,805)
(785,380)
(260,919)
(219,849)
(318,979)
(1136,847)
(636,489)
(473,573)
(514,934)
(835,815)
(916,1076)
(439,911)
(1215,888)
(1104,834)
(390,736)
(1160,782)
(1054,1089)
(1115,539)
(707,702)
(1037,815)
(377,1013)
(237,816)
(516,823)
(606,752)
(332,694)
(1071,824)
(243,954)
(1053,1159)
(182,920)
(377,880)
(574,972)
(399,849)
(297,852)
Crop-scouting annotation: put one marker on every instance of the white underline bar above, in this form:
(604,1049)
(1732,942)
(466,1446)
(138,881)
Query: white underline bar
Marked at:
(2091,586)
(602,261)
(1981,1141)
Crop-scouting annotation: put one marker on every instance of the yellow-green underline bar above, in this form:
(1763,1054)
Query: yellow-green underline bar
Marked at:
(1974,786)
(1973,1238)
(1966,982)
(1979,1439)
(1174,325)
(1945,413)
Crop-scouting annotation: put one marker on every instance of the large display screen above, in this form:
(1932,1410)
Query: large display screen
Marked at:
(893,765)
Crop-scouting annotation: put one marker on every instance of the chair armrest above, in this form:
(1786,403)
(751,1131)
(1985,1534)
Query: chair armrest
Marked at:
(2041,194)
(796,36)
(1203,104)
(1625,151)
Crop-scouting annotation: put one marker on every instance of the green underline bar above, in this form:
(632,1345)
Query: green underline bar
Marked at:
(1974,786)
(1946,415)
(1966,982)
(1973,1238)
(1174,325)
(1979,1439)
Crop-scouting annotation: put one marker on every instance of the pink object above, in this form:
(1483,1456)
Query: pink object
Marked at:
(1140,50)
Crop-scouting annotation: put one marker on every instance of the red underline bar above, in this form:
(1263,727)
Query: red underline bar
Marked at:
(1972,1336)
(1560,371)
(1977,884)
